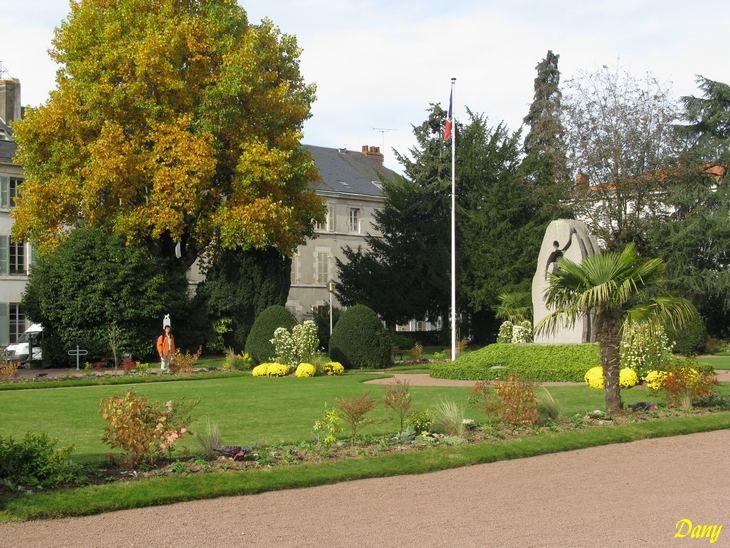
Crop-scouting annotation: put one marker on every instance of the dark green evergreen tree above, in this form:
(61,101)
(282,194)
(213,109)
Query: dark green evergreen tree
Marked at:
(499,224)
(404,272)
(709,121)
(240,284)
(544,144)
(694,235)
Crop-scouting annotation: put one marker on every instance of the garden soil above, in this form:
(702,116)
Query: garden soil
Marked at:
(629,494)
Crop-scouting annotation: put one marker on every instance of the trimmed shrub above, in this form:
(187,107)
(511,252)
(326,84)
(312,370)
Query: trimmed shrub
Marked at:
(34,461)
(691,339)
(530,362)
(359,339)
(258,343)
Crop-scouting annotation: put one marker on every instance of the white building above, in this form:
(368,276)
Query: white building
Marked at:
(15,257)
(351,184)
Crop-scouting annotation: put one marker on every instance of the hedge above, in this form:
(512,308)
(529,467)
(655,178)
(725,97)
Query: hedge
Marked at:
(530,362)
(258,343)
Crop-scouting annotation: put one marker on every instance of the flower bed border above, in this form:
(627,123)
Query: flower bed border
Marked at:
(125,495)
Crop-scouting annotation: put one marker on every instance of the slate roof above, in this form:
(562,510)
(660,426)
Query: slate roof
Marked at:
(338,166)
(7,146)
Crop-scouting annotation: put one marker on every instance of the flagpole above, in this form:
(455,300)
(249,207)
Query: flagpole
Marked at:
(453,223)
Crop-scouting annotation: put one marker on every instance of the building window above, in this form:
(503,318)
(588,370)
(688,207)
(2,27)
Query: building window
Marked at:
(17,322)
(323,263)
(354,220)
(322,226)
(13,189)
(16,258)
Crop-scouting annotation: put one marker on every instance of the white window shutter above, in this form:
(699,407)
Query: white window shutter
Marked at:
(4,255)
(4,325)
(4,191)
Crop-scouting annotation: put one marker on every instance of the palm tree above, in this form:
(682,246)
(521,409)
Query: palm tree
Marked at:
(611,287)
(515,307)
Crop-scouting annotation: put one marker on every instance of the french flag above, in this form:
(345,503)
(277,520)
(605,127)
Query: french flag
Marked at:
(449,118)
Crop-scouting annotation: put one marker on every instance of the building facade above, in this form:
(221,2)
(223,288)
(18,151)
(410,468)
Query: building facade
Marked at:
(351,184)
(15,257)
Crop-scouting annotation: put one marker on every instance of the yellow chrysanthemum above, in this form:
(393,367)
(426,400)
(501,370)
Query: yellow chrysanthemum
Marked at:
(333,368)
(594,377)
(305,370)
(627,378)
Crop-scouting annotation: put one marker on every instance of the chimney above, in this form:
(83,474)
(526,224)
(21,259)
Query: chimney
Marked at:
(581,181)
(373,153)
(10,99)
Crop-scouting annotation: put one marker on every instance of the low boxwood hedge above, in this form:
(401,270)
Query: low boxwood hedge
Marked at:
(529,362)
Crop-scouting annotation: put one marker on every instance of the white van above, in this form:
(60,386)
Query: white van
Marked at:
(18,351)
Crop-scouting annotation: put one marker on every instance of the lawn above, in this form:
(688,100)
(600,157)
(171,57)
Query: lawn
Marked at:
(248,410)
(718,362)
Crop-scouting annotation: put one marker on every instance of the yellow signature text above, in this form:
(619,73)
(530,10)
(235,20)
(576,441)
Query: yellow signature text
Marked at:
(685,528)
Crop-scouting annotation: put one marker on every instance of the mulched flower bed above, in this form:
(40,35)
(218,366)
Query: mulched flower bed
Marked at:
(267,457)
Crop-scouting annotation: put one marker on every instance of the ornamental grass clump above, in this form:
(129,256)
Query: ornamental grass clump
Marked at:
(142,429)
(210,440)
(548,407)
(353,411)
(449,418)
(398,399)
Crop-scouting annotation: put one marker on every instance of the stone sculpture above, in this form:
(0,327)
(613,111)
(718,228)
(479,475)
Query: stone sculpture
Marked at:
(563,238)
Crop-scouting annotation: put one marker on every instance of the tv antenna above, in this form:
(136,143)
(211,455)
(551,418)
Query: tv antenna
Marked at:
(382,131)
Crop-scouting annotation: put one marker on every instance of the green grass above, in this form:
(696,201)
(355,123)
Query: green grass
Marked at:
(718,362)
(248,410)
(117,496)
(116,380)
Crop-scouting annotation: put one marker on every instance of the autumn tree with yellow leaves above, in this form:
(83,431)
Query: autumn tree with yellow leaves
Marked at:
(171,121)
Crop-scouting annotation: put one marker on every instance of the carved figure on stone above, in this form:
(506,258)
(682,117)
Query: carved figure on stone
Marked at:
(552,262)
(579,244)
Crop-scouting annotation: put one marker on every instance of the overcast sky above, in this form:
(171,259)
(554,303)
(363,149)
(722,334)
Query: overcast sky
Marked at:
(378,64)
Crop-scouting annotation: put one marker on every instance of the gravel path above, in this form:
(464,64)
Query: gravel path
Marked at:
(618,495)
(424,379)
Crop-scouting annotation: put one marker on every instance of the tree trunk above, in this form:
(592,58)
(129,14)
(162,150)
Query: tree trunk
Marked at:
(608,326)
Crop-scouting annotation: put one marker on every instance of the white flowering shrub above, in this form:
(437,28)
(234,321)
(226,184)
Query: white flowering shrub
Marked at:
(505,332)
(297,346)
(644,348)
(522,332)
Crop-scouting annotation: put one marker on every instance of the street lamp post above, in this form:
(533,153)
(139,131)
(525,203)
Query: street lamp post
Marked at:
(331,289)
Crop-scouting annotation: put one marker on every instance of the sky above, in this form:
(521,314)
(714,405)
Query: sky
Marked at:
(380,63)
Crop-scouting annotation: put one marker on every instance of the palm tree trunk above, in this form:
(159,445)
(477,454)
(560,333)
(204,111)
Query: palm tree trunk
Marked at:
(608,326)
